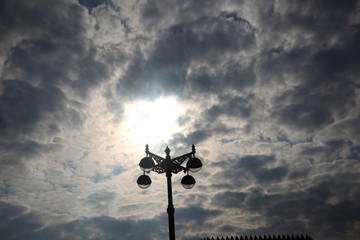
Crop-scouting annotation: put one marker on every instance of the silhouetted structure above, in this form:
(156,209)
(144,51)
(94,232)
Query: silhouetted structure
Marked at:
(169,166)
(283,237)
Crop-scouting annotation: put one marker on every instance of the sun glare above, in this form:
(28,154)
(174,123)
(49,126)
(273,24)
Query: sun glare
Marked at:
(151,121)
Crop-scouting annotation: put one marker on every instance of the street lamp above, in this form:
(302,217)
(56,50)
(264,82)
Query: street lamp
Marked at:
(169,166)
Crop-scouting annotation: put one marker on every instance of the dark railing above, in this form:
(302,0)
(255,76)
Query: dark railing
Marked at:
(283,237)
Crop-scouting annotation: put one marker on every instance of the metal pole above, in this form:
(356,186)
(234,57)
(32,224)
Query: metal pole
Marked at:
(171,209)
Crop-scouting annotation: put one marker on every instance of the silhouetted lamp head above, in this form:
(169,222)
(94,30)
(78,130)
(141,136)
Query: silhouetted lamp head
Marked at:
(194,164)
(144,181)
(147,164)
(188,181)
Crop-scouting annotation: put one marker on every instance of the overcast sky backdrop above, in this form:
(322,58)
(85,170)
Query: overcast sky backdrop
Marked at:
(268,91)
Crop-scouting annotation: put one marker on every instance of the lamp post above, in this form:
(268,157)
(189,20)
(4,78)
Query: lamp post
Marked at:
(169,166)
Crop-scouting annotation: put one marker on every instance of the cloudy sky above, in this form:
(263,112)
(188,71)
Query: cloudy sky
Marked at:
(268,91)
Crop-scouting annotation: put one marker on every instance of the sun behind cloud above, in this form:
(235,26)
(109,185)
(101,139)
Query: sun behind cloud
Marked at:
(151,121)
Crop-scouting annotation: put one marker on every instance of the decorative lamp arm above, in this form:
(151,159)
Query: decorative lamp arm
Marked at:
(157,158)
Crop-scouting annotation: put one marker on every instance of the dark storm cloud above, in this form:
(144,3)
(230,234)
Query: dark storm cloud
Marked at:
(209,79)
(231,107)
(294,208)
(45,53)
(14,152)
(229,199)
(312,202)
(194,219)
(17,223)
(23,225)
(90,4)
(100,200)
(57,61)
(206,41)
(210,124)
(322,72)
(333,149)
(195,215)
(318,101)
(23,105)
(253,168)
(37,20)
(202,132)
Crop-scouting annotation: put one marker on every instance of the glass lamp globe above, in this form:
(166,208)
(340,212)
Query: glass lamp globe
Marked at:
(188,181)
(194,164)
(144,181)
(147,164)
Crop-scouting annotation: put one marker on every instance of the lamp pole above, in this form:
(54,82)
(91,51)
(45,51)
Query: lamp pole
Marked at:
(169,166)
(170,209)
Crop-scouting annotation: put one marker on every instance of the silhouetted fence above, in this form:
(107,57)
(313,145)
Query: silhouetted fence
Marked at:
(292,237)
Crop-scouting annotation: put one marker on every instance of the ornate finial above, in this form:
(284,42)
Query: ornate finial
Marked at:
(193,149)
(167,151)
(146,148)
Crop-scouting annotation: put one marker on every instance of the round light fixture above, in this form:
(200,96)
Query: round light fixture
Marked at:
(188,181)
(147,164)
(144,181)
(194,164)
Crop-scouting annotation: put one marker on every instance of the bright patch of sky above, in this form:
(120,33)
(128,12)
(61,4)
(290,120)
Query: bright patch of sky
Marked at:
(151,121)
